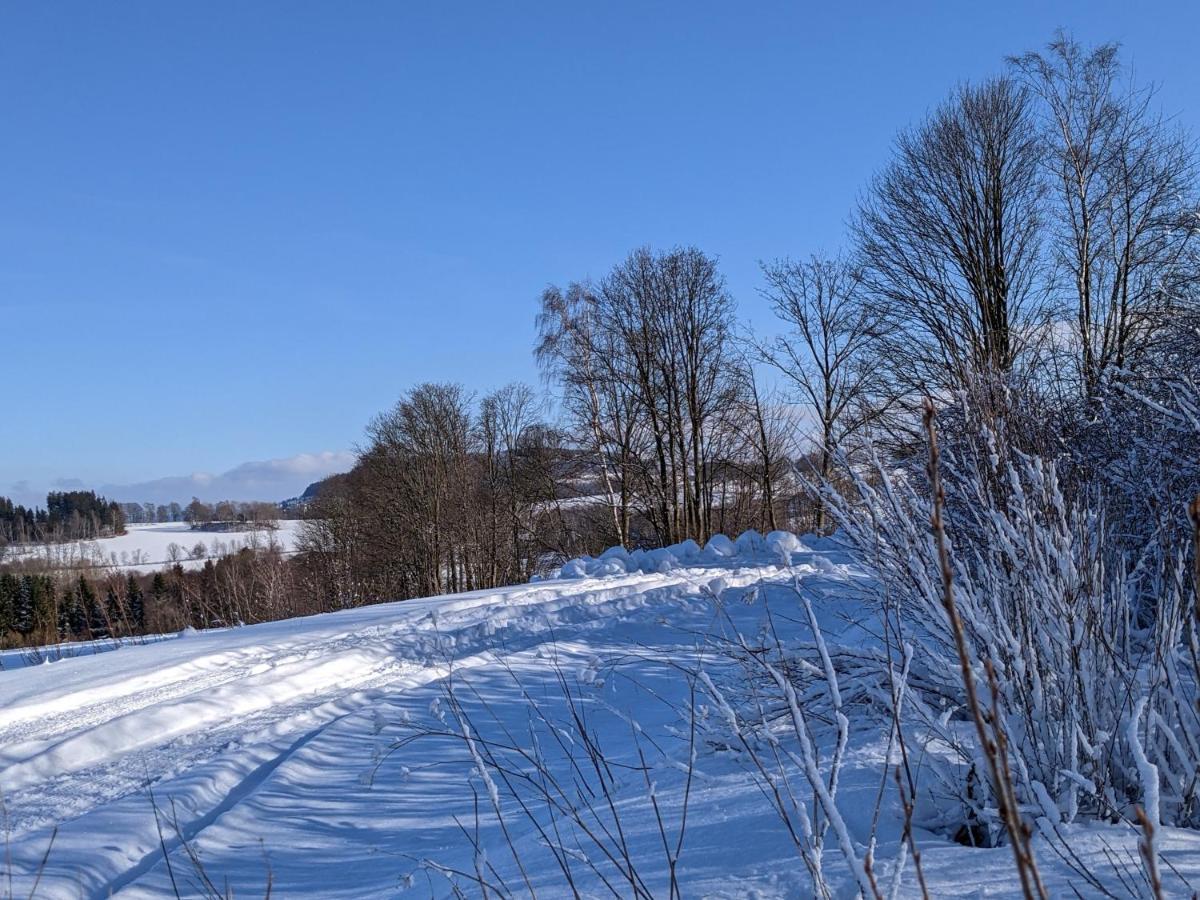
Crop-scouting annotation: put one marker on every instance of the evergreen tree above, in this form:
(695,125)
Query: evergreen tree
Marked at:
(45,605)
(135,603)
(68,615)
(90,604)
(9,590)
(115,611)
(72,616)
(37,612)
(159,592)
(23,612)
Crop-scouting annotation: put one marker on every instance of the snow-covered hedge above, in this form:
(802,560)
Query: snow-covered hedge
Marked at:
(750,548)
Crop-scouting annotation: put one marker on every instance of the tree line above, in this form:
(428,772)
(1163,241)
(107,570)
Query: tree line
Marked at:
(150,513)
(67,516)
(201,513)
(84,515)
(39,607)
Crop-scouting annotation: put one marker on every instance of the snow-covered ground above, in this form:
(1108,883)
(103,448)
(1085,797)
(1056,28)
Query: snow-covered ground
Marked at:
(147,548)
(326,754)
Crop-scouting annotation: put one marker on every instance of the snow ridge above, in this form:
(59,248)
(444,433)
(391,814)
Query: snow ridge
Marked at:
(750,548)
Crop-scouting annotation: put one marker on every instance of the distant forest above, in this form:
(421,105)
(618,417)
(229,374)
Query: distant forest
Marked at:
(85,516)
(68,516)
(201,514)
(39,607)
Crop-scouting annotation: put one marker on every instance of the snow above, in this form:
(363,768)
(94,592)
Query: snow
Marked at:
(780,547)
(344,755)
(148,548)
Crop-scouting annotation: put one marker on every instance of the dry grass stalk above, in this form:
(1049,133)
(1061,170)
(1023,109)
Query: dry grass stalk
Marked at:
(992,740)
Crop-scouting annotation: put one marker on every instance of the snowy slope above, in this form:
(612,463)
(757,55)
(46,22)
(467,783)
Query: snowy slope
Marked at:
(307,752)
(147,548)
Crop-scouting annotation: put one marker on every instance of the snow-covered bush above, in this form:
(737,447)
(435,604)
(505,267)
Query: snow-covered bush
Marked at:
(1096,704)
(1140,453)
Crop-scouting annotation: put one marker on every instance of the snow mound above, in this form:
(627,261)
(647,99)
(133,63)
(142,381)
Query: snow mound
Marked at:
(750,549)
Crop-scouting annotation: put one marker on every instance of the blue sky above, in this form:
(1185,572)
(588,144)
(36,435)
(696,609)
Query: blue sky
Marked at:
(233,232)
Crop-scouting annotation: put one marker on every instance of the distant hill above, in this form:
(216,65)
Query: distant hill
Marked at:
(311,493)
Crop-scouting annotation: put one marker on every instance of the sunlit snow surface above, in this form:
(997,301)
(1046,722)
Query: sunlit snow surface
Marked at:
(271,749)
(148,548)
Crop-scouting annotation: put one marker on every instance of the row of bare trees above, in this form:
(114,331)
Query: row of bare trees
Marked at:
(1032,242)
(1038,228)
(448,495)
(658,390)
(1031,248)
(1122,211)
(664,435)
(203,515)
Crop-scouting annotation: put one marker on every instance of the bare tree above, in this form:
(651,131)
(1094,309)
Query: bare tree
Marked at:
(948,239)
(646,362)
(1124,207)
(415,484)
(445,497)
(674,321)
(824,353)
(764,427)
(576,351)
(506,418)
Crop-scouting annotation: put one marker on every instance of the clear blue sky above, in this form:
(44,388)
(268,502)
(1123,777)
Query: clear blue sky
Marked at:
(235,231)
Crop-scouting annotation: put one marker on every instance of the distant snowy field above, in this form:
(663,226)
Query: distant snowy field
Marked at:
(147,548)
(327,754)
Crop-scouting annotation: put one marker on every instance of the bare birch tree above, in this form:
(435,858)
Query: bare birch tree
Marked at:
(824,352)
(1125,206)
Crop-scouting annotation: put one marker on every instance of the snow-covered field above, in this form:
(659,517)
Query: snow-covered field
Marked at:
(147,548)
(327,754)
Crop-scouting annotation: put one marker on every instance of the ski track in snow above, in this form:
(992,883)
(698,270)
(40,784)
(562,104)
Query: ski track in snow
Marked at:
(91,736)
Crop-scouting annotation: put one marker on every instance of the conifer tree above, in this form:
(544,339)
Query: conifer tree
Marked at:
(23,612)
(72,616)
(114,611)
(136,605)
(90,605)
(9,590)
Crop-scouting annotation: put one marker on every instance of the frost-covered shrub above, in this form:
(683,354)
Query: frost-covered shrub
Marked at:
(1097,703)
(1140,453)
